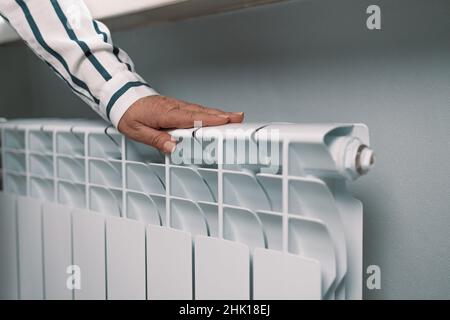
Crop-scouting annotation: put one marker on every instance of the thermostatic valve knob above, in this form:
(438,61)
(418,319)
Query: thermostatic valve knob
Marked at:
(353,158)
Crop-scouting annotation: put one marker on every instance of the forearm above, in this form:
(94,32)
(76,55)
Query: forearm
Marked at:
(80,50)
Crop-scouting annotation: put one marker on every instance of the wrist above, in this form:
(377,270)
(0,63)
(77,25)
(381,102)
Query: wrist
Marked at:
(121,92)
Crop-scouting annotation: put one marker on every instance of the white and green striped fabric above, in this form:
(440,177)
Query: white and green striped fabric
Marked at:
(80,50)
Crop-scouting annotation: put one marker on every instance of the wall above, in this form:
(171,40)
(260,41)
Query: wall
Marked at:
(315,61)
(14,83)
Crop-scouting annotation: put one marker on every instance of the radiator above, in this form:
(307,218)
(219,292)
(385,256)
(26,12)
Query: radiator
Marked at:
(248,211)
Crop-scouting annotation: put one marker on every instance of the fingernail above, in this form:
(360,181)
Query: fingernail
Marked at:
(223,116)
(239,113)
(169,147)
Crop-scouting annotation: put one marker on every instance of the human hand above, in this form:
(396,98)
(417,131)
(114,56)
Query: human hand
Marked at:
(144,120)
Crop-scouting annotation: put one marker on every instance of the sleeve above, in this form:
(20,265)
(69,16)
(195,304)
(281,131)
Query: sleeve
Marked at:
(79,50)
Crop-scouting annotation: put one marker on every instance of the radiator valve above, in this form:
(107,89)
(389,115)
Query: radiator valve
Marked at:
(353,158)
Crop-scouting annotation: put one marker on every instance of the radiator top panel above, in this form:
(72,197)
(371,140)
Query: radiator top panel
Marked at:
(278,187)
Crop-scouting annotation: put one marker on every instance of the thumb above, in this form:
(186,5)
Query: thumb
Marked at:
(159,139)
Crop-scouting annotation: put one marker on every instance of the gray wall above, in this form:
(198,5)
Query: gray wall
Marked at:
(314,61)
(14,83)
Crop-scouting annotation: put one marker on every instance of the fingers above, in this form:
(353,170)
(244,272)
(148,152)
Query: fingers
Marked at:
(235,117)
(199,108)
(165,112)
(159,139)
(142,121)
(181,118)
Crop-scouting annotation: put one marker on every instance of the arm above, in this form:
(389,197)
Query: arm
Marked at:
(80,50)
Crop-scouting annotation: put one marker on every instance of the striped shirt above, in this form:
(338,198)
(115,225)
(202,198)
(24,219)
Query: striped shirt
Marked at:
(80,51)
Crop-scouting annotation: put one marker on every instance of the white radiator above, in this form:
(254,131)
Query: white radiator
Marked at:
(212,221)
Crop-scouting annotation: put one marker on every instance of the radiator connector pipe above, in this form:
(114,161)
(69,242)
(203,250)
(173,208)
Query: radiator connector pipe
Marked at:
(353,157)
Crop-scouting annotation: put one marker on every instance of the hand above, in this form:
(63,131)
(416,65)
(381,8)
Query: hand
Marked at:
(144,119)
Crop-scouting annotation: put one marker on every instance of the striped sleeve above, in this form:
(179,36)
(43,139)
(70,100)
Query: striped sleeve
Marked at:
(80,51)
